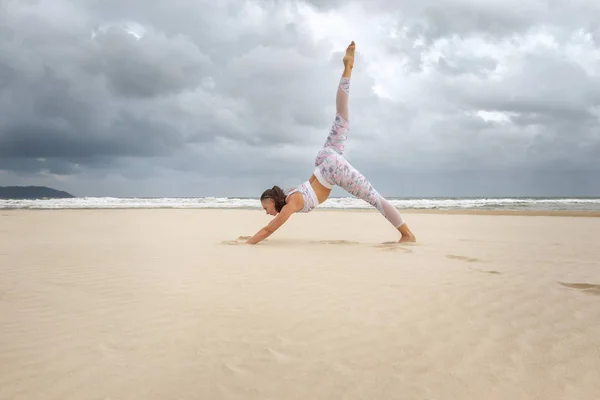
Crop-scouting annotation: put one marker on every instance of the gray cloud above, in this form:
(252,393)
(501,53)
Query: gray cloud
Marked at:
(118,98)
(431,19)
(151,66)
(479,67)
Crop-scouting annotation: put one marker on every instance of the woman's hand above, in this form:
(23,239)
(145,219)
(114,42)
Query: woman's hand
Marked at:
(275,224)
(258,237)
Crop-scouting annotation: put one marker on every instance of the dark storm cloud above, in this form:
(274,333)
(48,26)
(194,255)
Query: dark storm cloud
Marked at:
(129,137)
(151,66)
(56,98)
(243,89)
(34,166)
(95,77)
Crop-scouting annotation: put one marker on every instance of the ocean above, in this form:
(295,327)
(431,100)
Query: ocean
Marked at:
(473,203)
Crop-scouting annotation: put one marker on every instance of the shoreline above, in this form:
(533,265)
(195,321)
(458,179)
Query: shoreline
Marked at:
(465,211)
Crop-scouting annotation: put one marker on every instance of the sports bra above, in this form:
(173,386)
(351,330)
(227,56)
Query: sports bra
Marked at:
(309,195)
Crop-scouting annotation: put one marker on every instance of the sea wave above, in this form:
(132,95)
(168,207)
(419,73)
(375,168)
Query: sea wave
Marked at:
(579,204)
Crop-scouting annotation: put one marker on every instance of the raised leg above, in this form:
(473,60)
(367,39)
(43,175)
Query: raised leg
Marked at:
(338,134)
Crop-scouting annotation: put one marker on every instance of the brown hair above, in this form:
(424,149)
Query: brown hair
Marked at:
(277,195)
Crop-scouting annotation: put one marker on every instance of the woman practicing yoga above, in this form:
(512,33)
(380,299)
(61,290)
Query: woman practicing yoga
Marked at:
(331,168)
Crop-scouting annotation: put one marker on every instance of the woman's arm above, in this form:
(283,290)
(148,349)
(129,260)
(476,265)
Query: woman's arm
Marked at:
(279,220)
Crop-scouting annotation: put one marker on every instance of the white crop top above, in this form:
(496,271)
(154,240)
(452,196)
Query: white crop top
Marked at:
(309,195)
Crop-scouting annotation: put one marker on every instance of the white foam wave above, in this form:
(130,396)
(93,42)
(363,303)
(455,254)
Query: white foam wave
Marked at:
(332,203)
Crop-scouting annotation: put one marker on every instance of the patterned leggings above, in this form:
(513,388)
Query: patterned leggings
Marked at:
(336,170)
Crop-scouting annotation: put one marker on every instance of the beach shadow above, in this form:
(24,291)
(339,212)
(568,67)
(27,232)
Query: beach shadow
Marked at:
(394,246)
(491,272)
(385,246)
(588,288)
(462,258)
(483,271)
(335,242)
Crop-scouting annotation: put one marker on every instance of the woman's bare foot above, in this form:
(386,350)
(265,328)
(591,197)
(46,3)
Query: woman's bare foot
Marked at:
(349,57)
(407,235)
(410,238)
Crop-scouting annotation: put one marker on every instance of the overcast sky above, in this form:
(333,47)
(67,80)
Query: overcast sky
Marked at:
(227,98)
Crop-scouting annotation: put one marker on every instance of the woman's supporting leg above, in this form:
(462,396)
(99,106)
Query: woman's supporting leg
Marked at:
(351,180)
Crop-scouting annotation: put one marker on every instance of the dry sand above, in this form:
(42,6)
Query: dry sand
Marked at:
(166,304)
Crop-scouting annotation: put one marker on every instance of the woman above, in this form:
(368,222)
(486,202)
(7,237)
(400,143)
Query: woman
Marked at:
(331,168)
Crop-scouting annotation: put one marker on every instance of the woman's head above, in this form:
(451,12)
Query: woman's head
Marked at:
(273,200)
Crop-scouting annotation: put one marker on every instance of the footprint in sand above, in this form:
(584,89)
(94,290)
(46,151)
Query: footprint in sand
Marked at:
(461,258)
(589,288)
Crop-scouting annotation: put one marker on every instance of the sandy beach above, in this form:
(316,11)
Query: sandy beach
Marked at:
(168,304)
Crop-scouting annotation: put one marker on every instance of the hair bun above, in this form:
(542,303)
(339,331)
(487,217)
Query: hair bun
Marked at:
(277,195)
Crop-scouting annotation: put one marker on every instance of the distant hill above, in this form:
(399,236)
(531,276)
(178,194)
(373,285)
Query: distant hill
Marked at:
(32,192)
